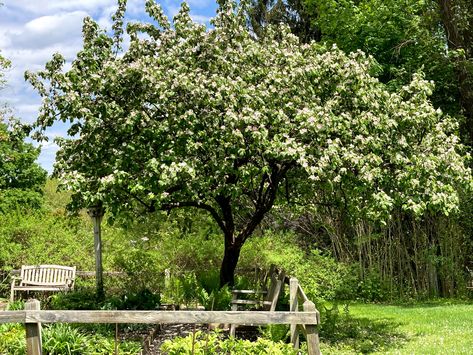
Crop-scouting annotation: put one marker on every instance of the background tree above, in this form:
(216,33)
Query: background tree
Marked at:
(404,37)
(262,13)
(457,19)
(21,178)
(212,119)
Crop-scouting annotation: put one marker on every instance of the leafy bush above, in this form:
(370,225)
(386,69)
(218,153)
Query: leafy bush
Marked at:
(12,339)
(275,332)
(141,300)
(216,300)
(20,200)
(86,299)
(79,299)
(372,288)
(17,305)
(39,238)
(147,247)
(63,339)
(212,343)
(321,277)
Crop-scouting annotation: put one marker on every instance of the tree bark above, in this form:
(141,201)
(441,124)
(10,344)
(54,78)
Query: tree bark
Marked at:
(229,263)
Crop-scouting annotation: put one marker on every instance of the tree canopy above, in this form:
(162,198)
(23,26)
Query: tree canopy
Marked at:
(404,36)
(21,178)
(216,120)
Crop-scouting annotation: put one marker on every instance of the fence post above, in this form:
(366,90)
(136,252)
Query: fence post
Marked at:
(33,330)
(313,345)
(294,307)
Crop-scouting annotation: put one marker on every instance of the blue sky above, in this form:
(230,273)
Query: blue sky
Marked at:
(32,30)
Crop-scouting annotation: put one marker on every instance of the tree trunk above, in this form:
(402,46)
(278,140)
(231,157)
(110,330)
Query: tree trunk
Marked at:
(229,263)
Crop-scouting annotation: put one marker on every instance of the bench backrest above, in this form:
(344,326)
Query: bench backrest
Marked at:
(47,275)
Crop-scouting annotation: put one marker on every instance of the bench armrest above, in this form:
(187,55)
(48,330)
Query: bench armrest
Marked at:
(15,278)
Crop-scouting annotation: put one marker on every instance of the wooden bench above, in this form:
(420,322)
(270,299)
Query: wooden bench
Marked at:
(265,299)
(43,278)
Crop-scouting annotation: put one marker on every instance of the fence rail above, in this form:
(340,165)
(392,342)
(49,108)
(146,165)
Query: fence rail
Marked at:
(32,317)
(163,317)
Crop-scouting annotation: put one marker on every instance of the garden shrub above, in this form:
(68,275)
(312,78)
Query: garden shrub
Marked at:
(39,238)
(12,339)
(86,299)
(63,339)
(321,277)
(212,343)
(372,288)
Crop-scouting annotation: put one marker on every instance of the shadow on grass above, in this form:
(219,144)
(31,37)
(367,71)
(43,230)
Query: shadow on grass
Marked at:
(435,303)
(343,333)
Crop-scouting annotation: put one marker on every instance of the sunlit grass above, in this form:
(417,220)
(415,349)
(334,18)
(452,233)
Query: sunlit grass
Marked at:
(423,328)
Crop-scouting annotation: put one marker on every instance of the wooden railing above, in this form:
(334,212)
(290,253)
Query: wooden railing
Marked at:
(32,317)
(297,298)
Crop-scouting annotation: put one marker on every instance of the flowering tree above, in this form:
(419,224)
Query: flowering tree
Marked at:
(216,120)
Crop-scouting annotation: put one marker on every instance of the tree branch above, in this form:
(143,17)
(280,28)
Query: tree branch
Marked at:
(204,206)
(226,207)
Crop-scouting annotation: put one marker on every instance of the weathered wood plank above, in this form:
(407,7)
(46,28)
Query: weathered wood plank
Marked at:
(97,213)
(12,317)
(234,308)
(302,294)
(279,287)
(33,331)
(81,273)
(294,307)
(250,292)
(168,317)
(312,336)
(41,288)
(250,302)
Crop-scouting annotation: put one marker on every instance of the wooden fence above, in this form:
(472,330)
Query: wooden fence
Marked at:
(297,298)
(32,317)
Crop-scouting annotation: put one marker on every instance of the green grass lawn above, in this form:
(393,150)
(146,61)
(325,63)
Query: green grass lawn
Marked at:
(422,328)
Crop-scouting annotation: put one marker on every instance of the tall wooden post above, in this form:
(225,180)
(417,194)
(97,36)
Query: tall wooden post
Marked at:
(96,213)
(33,331)
(294,307)
(313,345)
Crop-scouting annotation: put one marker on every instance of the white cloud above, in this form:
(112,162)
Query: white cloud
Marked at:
(53,6)
(49,146)
(200,19)
(47,31)
(28,111)
(193,4)
(46,159)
